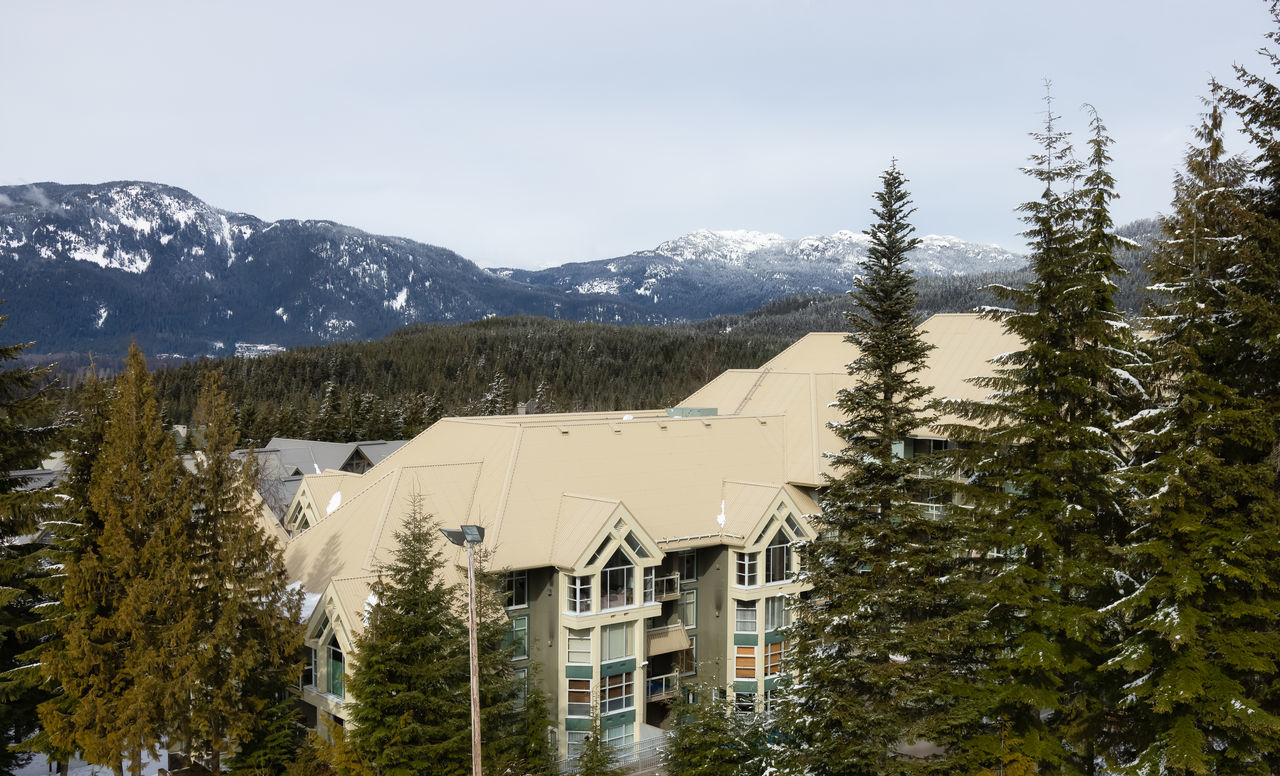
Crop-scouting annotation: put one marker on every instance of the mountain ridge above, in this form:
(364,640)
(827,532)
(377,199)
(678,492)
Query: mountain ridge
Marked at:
(92,266)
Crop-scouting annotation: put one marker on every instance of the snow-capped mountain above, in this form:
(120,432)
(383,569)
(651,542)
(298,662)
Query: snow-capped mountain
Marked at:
(718,272)
(91,266)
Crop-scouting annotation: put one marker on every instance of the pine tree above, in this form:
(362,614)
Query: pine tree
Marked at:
(123,596)
(410,687)
(24,435)
(241,646)
(868,638)
(1042,462)
(705,737)
(1201,651)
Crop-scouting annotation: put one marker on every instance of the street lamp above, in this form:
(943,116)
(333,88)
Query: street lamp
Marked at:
(469,536)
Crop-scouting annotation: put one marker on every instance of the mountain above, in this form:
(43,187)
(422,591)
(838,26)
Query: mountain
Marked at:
(90,267)
(720,272)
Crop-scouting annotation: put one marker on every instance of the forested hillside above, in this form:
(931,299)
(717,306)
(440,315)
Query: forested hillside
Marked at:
(397,386)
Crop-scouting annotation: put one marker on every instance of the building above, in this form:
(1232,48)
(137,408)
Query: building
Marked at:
(638,547)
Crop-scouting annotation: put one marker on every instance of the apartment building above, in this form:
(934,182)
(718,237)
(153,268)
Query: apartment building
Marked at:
(639,548)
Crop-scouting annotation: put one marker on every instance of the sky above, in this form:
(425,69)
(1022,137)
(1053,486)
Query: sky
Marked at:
(529,133)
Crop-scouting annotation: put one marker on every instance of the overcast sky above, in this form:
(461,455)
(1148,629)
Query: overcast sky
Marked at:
(533,132)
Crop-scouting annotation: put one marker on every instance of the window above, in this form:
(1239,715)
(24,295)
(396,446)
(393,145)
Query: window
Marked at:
(518,637)
(618,581)
(770,701)
(765,531)
(517,589)
(580,594)
(336,669)
(617,641)
(794,527)
(744,666)
(620,736)
(689,608)
(687,661)
(308,678)
(649,575)
(773,658)
(617,692)
(776,614)
(687,565)
(636,546)
(574,740)
(599,553)
(579,644)
(747,563)
(324,626)
(579,698)
(777,559)
(744,702)
(522,686)
(745,617)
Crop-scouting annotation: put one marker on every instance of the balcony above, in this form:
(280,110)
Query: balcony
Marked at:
(667,588)
(660,688)
(666,639)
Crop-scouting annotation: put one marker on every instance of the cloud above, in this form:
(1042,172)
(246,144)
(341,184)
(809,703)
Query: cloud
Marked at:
(5,200)
(38,198)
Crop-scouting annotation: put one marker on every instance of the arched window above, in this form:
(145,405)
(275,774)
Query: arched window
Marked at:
(618,582)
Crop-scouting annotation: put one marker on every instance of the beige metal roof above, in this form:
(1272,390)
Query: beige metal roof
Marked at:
(545,487)
(802,382)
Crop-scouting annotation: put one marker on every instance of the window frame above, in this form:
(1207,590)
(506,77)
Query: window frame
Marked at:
(517,587)
(607,632)
(779,620)
(745,666)
(778,553)
(578,708)
(689,605)
(336,680)
(626,569)
(574,637)
(773,658)
(617,693)
(519,636)
(747,567)
(741,606)
(578,594)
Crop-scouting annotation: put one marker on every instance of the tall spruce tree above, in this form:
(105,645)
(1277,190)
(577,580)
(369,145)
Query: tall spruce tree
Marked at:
(124,596)
(882,604)
(25,433)
(596,756)
(409,687)
(75,532)
(240,651)
(1200,655)
(1042,457)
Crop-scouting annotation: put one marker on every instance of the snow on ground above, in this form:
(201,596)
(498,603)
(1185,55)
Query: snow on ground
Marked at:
(41,767)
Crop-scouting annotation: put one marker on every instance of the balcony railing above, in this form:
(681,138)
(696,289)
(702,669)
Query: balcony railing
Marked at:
(662,687)
(667,588)
(668,638)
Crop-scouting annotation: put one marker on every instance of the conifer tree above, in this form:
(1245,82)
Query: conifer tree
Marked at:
(595,757)
(409,687)
(241,647)
(868,639)
(705,737)
(124,595)
(1042,460)
(1201,651)
(24,435)
(75,531)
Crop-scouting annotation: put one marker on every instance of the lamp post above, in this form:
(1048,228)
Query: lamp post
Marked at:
(469,536)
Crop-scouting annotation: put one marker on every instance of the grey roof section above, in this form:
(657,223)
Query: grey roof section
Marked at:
(283,462)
